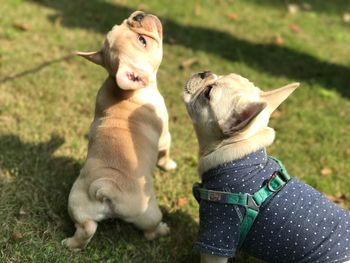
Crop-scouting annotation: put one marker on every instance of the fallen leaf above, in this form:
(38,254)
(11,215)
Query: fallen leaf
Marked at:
(57,22)
(220,2)
(232,16)
(7,119)
(294,28)
(172,41)
(122,2)
(22,26)
(326,171)
(339,198)
(174,252)
(181,202)
(293,8)
(16,235)
(188,63)
(346,17)
(306,6)
(197,10)
(22,212)
(276,114)
(279,41)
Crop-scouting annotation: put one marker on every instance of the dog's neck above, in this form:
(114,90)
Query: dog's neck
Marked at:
(231,149)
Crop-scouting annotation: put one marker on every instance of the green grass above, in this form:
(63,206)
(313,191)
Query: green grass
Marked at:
(47,100)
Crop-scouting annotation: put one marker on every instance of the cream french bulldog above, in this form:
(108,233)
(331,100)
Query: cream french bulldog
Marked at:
(129,135)
(247,199)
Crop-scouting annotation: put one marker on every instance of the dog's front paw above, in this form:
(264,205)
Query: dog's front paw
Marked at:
(162,230)
(167,165)
(72,244)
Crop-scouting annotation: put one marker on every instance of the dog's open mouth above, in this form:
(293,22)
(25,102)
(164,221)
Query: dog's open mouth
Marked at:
(133,77)
(129,78)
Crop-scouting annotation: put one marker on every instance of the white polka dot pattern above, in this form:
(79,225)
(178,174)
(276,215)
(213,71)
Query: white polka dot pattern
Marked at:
(298,224)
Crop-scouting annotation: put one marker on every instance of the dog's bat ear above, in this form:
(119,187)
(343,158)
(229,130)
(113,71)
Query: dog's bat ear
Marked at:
(275,97)
(238,121)
(95,57)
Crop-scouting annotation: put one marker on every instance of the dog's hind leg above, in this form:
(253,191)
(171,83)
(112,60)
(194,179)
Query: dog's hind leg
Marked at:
(83,234)
(84,212)
(150,221)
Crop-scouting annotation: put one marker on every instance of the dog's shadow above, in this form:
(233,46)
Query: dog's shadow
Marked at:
(268,58)
(37,184)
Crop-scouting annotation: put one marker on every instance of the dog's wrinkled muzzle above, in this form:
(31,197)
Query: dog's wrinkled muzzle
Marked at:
(197,81)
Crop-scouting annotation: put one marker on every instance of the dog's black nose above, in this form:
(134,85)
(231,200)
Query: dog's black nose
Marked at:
(204,74)
(139,17)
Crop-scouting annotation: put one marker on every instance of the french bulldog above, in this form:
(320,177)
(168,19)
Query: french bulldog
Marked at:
(128,137)
(294,223)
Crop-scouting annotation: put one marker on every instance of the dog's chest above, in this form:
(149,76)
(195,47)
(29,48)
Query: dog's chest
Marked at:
(151,97)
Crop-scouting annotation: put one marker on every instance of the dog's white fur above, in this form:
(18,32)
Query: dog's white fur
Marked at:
(230,121)
(128,137)
(234,101)
(236,114)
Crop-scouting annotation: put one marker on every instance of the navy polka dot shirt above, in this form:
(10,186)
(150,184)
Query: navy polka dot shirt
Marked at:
(298,224)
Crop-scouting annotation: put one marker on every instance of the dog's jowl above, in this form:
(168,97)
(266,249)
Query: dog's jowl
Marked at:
(128,137)
(247,198)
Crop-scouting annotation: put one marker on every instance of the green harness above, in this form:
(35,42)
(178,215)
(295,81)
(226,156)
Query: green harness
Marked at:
(251,203)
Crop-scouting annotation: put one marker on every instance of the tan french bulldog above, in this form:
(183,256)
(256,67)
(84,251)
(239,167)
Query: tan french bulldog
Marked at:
(296,223)
(129,135)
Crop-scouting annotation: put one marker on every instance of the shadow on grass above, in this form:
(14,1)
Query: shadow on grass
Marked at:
(35,186)
(321,6)
(35,69)
(100,16)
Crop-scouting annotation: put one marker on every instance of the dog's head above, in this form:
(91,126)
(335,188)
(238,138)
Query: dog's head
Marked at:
(229,106)
(132,51)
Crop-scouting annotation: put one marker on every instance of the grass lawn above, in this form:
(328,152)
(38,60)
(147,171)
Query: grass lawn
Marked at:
(47,100)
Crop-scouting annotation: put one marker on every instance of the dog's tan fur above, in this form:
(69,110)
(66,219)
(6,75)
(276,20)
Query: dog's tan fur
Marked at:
(128,137)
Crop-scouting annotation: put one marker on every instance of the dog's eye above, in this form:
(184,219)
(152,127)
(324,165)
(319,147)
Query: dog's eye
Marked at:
(142,40)
(207,91)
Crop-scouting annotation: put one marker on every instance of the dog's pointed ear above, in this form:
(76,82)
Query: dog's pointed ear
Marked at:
(95,57)
(275,97)
(240,120)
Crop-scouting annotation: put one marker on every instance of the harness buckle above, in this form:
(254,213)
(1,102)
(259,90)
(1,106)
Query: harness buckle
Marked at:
(281,176)
(214,196)
(251,203)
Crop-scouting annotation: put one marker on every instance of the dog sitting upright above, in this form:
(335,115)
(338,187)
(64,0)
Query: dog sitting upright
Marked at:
(128,136)
(247,199)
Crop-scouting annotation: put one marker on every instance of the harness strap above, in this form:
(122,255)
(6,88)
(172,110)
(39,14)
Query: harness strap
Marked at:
(251,203)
